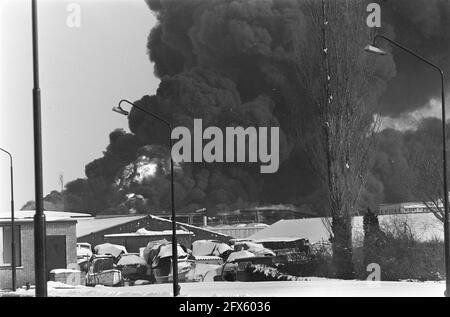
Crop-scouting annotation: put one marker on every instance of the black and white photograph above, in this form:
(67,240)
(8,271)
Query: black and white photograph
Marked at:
(242,150)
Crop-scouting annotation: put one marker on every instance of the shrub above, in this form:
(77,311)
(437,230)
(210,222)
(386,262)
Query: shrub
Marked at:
(318,262)
(259,272)
(402,256)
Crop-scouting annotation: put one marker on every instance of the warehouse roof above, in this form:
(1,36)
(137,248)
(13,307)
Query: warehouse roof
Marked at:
(312,229)
(28,216)
(424,226)
(88,226)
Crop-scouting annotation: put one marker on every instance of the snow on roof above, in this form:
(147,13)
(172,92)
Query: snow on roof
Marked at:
(88,226)
(189,226)
(54,215)
(149,233)
(277,239)
(312,229)
(239,225)
(424,226)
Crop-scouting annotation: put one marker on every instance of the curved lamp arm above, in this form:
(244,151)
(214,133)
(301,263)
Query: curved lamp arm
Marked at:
(120,110)
(379,36)
(9,154)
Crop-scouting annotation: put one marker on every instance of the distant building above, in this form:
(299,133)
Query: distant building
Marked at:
(424,227)
(116,228)
(291,230)
(134,241)
(61,244)
(405,208)
(244,222)
(265,214)
(196,218)
(239,231)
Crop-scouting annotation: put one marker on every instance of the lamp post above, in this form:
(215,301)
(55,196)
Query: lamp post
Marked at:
(375,50)
(13,237)
(120,110)
(39,217)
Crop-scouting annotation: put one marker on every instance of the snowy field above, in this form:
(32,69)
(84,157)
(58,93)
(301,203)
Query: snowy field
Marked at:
(308,288)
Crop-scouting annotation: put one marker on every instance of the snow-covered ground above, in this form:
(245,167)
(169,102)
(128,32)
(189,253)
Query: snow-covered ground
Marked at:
(307,288)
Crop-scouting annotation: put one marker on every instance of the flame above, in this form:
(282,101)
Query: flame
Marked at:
(145,170)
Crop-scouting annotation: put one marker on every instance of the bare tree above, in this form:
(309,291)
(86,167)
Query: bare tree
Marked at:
(427,177)
(333,68)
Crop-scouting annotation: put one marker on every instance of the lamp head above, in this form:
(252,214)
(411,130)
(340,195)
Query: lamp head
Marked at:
(120,110)
(374,50)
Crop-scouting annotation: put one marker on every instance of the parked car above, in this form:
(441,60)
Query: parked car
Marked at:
(158,255)
(209,247)
(84,250)
(84,255)
(235,269)
(103,271)
(110,249)
(132,266)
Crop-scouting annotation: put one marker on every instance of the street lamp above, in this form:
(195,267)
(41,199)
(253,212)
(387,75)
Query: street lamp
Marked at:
(39,217)
(13,237)
(120,110)
(375,50)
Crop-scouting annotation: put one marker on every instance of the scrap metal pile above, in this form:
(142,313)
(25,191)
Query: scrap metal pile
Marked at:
(208,260)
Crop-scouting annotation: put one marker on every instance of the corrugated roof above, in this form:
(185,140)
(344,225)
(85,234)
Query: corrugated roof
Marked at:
(88,226)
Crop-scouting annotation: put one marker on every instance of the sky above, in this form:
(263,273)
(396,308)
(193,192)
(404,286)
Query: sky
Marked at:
(84,71)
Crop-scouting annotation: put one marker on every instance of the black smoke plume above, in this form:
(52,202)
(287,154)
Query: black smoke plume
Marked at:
(424,27)
(229,62)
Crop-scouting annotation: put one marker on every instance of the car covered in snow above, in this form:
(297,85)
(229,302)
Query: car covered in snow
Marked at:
(84,255)
(84,250)
(256,248)
(210,251)
(103,271)
(132,266)
(158,255)
(115,250)
(235,269)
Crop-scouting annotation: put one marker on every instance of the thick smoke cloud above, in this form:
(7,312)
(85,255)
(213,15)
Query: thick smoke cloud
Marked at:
(396,170)
(229,63)
(424,27)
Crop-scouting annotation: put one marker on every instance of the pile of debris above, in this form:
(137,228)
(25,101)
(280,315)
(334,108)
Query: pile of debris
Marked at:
(207,260)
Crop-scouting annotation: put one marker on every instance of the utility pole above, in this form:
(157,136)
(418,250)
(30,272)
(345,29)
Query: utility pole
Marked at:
(13,227)
(39,217)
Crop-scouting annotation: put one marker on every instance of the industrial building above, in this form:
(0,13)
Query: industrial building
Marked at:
(61,245)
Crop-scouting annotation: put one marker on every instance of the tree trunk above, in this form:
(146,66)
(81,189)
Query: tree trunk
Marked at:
(342,248)
(373,238)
